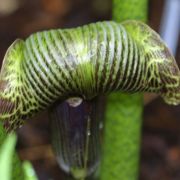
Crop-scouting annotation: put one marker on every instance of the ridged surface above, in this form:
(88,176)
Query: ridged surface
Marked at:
(84,61)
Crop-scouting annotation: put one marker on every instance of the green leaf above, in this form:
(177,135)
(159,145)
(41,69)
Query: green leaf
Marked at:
(6,156)
(29,171)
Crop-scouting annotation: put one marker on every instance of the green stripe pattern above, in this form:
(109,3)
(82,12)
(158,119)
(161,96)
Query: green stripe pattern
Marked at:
(85,61)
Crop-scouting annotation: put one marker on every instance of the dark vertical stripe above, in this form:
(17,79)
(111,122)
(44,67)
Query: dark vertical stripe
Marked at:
(104,47)
(123,64)
(70,59)
(43,60)
(132,69)
(100,54)
(64,69)
(48,59)
(129,63)
(120,60)
(32,76)
(111,57)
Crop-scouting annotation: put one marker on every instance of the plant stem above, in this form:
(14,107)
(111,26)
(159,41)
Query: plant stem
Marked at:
(123,114)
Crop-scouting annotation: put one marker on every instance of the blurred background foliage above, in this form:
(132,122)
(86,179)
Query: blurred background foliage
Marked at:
(160,151)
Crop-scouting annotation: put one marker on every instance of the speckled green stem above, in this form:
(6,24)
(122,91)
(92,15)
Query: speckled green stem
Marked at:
(123,114)
(129,9)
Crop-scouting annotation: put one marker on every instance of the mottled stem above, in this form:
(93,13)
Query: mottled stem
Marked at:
(123,113)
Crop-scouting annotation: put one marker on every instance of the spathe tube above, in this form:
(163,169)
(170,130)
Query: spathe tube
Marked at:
(77,136)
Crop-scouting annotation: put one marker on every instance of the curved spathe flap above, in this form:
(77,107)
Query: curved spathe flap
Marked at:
(161,61)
